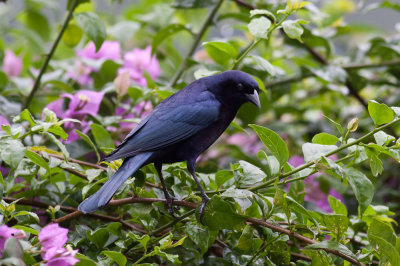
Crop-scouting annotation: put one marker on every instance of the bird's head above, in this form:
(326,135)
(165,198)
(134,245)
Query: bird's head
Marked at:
(234,87)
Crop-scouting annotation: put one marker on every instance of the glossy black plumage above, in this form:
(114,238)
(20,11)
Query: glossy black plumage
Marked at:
(179,129)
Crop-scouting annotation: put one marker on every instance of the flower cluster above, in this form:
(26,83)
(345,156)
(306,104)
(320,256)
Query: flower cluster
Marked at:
(135,62)
(12,64)
(53,238)
(7,232)
(313,192)
(80,106)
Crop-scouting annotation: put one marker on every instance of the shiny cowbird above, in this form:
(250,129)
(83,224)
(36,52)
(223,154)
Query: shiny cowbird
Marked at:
(179,129)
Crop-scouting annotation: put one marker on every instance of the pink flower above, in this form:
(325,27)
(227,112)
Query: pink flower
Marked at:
(12,64)
(53,236)
(3,121)
(249,144)
(109,50)
(81,74)
(60,256)
(7,232)
(80,105)
(313,192)
(137,61)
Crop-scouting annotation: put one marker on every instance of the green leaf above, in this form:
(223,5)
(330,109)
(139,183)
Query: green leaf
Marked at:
(273,142)
(102,137)
(25,115)
(257,12)
(374,161)
(223,176)
(337,224)
(166,33)
(199,235)
(26,229)
(318,257)
(292,29)
(297,207)
(118,257)
(98,237)
(172,258)
(12,152)
(325,139)
(220,52)
(245,242)
(219,214)
(336,206)
(72,35)
(13,249)
(380,113)
(258,27)
(313,151)
(59,144)
(34,157)
(84,261)
(143,240)
(92,26)
(384,240)
(337,125)
(362,187)
(237,193)
(166,242)
(383,139)
(251,174)
(88,141)
(330,73)
(3,79)
(332,245)
(264,64)
(123,30)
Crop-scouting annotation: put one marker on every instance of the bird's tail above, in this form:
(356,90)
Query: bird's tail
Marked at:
(105,193)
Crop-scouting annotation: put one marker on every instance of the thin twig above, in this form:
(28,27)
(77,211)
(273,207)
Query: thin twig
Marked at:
(92,165)
(295,78)
(302,238)
(309,164)
(300,256)
(74,213)
(50,54)
(243,3)
(170,224)
(196,41)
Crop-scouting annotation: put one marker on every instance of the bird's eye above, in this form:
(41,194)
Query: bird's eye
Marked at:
(240,86)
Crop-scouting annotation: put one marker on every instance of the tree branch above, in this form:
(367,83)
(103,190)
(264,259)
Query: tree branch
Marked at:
(50,54)
(243,3)
(92,165)
(307,165)
(296,78)
(74,213)
(192,205)
(196,41)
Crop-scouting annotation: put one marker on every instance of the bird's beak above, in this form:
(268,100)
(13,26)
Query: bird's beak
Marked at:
(254,98)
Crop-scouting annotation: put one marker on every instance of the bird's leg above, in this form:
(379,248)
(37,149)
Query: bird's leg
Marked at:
(204,197)
(168,196)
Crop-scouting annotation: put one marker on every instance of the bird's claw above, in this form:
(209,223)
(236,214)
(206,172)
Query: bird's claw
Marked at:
(170,200)
(204,200)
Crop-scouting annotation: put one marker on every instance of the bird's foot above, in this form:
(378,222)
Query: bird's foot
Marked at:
(204,200)
(171,208)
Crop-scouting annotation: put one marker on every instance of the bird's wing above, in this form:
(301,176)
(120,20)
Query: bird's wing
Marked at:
(170,123)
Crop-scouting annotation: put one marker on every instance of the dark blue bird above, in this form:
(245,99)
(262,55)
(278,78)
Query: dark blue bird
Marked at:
(179,129)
